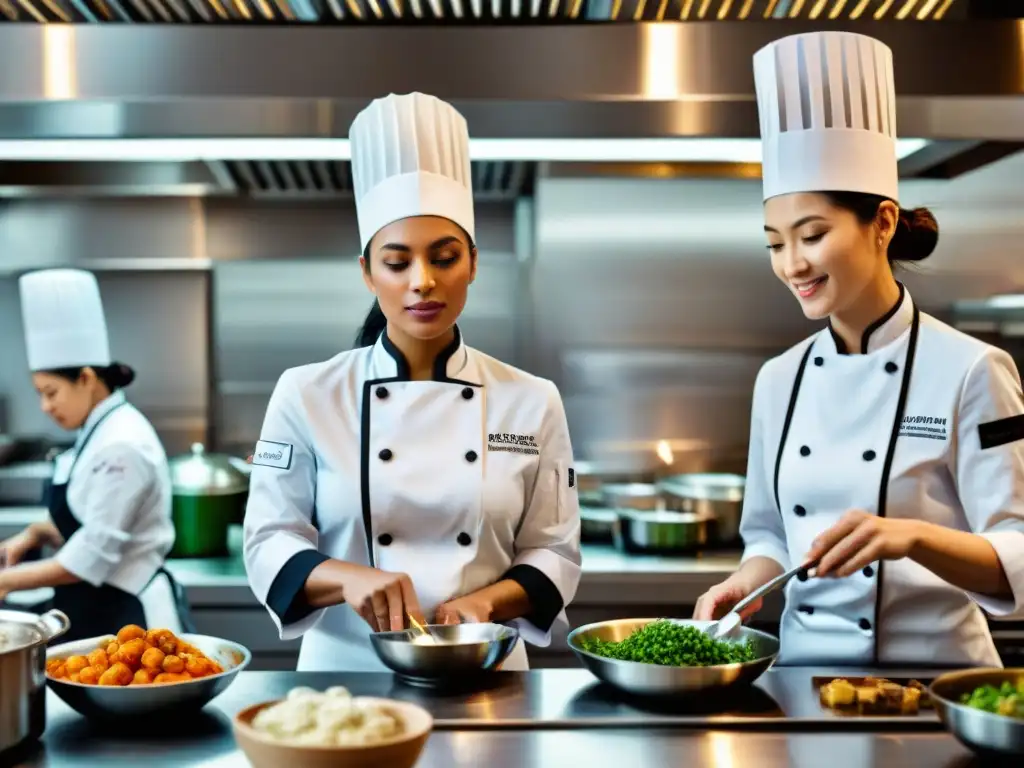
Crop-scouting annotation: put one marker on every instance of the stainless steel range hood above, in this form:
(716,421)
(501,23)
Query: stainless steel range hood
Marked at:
(960,84)
(430,11)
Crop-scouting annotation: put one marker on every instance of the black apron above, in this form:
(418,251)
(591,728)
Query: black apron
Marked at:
(101,610)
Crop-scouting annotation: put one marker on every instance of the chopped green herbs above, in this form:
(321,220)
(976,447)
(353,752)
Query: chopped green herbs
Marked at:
(671,645)
(1006,699)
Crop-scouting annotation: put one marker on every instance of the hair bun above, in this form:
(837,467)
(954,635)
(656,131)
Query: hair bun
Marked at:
(121,375)
(917,234)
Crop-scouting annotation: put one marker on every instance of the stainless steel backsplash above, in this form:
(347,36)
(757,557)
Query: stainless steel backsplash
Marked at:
(651,303)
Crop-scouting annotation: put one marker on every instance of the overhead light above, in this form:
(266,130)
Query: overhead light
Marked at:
(675,150)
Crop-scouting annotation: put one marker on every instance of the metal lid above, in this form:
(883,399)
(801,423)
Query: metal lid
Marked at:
(20,629)
(709,486)
(206,474)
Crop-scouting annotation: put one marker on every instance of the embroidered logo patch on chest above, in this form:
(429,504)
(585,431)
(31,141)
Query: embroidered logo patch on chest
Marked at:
(509,442)
(928,427)
(270,454)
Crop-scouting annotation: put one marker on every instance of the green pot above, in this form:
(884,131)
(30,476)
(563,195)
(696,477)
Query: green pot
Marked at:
(201,524)
(210,493)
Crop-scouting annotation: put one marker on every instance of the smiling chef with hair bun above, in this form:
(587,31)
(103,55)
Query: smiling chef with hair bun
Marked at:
(888,444)
(413,476)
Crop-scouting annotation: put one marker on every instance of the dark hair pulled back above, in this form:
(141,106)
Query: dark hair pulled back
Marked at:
(373,326)
(917,232)
(376,322)
(115,376)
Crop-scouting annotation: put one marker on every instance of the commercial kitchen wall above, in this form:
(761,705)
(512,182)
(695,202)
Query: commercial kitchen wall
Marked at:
(650,302)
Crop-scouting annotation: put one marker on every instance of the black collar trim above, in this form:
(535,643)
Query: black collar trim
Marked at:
(866,336)
(440,370)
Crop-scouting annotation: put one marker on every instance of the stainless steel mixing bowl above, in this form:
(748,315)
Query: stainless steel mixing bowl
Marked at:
(144,702)
(980,731)
(656,680)
(451,654)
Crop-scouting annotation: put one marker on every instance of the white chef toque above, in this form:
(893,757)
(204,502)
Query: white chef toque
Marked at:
(410,157)
(827,109)
(62,313)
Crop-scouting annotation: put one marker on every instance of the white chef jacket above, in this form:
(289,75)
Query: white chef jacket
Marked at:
(458,482)
(120,492)
(958,461)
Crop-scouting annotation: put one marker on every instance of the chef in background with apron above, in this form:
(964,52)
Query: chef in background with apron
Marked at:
(888,444)
(110,497)
(413,476)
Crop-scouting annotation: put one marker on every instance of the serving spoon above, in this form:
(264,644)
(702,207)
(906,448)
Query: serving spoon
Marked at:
(726,627)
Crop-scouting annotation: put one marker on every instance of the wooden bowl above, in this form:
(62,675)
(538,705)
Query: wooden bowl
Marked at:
(403,751)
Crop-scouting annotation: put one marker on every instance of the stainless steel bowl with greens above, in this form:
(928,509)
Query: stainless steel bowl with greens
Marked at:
(983,708)
(659,657)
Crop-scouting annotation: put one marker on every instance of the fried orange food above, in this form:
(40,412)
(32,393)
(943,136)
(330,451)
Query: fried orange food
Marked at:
(136,657)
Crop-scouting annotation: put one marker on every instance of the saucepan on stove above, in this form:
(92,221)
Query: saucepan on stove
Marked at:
(661,531)
(714,495)
(646,522)
(597,506)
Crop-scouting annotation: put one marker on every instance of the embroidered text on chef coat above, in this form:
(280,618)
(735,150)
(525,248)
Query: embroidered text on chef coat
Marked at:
(928,427)
(512,443)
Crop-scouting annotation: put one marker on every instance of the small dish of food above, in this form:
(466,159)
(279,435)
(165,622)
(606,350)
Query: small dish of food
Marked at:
(141,673)
(313,729)
(983,709)
(872,696)
(659,657)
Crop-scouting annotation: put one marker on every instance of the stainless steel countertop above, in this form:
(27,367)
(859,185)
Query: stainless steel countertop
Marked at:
(573,699)
(515,723)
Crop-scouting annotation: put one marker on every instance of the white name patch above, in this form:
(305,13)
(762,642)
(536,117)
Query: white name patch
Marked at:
(270,454)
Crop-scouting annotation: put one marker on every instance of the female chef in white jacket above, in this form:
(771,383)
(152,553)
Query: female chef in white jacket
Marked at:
(110,497)
(414,476)
(888,444)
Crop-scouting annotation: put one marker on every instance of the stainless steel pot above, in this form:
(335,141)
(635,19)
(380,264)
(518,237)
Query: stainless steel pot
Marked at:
(591,476)
(715,495)
(661,531)
(23,639)
(597,524)
(210,493)
(632,496)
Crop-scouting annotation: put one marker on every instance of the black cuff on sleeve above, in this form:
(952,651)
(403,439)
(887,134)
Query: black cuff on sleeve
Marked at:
(286,597)
(545,600)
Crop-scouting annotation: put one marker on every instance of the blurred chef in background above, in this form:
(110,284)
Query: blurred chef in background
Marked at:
(414,476)
(888,444)
(110,497)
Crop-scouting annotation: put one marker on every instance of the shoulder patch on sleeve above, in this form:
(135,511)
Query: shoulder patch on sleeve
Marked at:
(271,454)
(995,433)
(572,477)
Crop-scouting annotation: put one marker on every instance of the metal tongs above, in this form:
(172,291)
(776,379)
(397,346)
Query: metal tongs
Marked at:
(727,626)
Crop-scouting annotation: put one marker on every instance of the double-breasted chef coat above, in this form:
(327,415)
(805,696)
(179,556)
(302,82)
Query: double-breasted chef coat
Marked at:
(110,498)
(458,482)
(927,424)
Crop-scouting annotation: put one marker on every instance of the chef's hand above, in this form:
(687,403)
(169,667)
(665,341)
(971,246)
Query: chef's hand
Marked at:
(858,540)
(470,609)
(720,599)
(17,547)
(383,598)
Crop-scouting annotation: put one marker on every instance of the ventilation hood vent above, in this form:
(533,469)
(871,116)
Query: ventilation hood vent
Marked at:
(319,179)
(471,11)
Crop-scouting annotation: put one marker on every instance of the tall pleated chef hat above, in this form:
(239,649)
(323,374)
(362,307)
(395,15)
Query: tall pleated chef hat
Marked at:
(410,157)
(63,318)
(827,108)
